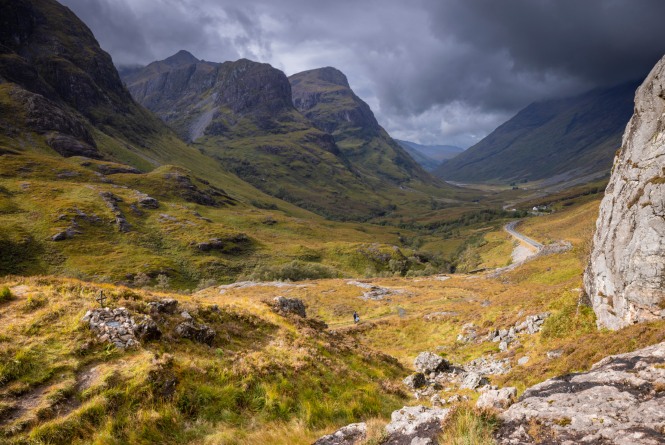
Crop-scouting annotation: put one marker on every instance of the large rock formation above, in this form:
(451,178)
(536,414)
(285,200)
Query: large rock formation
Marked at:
(625,279)
(620,401)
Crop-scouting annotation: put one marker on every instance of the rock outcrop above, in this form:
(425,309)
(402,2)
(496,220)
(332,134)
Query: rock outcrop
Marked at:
(620,401)
(347,435)
(415,425)
(625,278)
(283,305)
(497,398)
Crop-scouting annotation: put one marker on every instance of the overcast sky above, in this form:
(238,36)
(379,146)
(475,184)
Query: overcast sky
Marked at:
(433,71)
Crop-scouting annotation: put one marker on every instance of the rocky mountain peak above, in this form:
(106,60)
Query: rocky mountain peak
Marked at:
(625,279)
(180,58)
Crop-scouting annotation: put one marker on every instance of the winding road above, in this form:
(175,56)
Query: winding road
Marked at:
(510,228)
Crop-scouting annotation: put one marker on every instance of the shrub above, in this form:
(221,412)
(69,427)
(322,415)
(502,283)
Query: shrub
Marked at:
(141,279)
(293,271)
(5,294)
(35,302)
(163,281)
(572,319)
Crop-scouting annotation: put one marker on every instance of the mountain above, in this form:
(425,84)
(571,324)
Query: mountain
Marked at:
(93,185)
(557,139)
(324,96)
(429,156)
(342,165)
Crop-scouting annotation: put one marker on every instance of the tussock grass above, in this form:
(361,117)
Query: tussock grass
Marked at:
(469,426)
(265,376)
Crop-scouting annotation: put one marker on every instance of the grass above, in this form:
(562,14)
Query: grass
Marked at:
(264,373)
(267,378)
(47,194)
(468,426)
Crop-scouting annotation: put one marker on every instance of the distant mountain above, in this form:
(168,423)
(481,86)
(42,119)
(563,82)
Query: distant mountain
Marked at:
(558,139)
(430,156)
(324,96)
(341,164)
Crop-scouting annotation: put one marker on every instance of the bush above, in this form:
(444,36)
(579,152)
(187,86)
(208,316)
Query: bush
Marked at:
(293,271)
(5,294)
(573,319)
(163,281)
(35,302)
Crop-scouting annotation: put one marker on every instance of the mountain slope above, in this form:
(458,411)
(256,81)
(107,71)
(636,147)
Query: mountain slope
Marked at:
(429,156)
(76,175)
(324,96)
(62,96)
(570,137)
(241,114)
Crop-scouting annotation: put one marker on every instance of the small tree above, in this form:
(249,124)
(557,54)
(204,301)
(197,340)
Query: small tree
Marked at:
(163,281)
(141,280)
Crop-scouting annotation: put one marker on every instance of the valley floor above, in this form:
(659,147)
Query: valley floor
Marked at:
(274,378)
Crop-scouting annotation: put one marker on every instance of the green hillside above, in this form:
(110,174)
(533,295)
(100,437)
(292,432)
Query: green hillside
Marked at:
(560,139)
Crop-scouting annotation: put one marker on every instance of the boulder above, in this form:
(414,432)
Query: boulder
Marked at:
(427,362)
(289,306)
(625,277)
(200,333)
(147,330)
(164,306)
(415,425)
(497,398)
(473,380)
(347,435)
(415,381)
(148,202)
(619,401)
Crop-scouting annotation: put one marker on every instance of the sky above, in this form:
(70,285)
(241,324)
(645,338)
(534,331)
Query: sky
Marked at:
(433,71)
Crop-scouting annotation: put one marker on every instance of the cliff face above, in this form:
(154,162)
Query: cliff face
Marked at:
(231,99)
(625,279)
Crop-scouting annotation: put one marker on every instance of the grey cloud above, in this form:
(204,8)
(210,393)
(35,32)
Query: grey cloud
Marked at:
(437,71)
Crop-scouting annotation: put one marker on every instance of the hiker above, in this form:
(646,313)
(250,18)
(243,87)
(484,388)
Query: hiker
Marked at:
(356,317)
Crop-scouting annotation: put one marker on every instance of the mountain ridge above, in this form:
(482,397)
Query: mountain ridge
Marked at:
(571,137)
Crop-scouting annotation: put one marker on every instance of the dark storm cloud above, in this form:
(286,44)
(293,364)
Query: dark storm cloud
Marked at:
(434,71)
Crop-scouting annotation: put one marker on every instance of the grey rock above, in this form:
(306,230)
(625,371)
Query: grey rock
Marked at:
(555,353)
(164,306)
(497,398)
(503,346)
(523,361)
(200,333)
(289,306)
(148,202)
(60,236)
(147,330)
(109,326)
(415,425)
(625,278)
(415,381)
(618,401)
(427,362)
(347,435)
(473,380)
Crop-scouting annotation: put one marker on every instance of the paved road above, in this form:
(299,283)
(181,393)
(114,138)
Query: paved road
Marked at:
(510,228)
